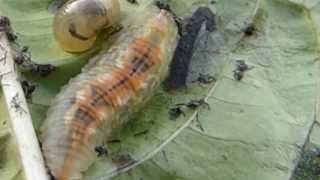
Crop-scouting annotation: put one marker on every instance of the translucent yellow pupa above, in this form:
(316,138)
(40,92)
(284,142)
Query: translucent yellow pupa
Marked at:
(78,22)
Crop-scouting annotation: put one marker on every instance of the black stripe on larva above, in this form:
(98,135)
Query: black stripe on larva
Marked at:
(97,98)
(145,67)
(136,65)
(179,66)
(84,116)
(74,33)
(141,64)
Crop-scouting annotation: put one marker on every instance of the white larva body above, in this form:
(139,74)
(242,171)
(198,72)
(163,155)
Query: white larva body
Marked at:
(110,89)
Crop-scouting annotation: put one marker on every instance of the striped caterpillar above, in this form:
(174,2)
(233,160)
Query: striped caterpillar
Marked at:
(78,22)
(112,87)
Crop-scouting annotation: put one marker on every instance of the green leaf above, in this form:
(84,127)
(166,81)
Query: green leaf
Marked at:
(255,127)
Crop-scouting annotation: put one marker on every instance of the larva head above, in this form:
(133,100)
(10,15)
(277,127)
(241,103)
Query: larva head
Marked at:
(77,23)
(162,21)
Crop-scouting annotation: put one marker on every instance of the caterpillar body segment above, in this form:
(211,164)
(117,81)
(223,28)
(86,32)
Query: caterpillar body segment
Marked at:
(100,100)
(78,22)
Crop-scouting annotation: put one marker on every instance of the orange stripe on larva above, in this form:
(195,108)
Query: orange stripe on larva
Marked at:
(69,160)
(79,127)
(103,92)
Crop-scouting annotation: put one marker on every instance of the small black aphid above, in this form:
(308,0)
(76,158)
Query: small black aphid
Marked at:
(195,103)
(241,67)
(23,58)
(28,88)
(51,177)
(43,69)
(205,79)
(101,151)
(23,55)
(213,2)
(176,112)
(237,75)
(5,24)
(133,1)
(162,5)
(181,23)
(249,30)
(11,36)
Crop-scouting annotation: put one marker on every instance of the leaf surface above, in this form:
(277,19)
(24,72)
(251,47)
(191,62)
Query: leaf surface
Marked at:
(255,127)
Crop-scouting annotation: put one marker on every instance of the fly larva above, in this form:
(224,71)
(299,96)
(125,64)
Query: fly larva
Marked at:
(110,88)
(78,22)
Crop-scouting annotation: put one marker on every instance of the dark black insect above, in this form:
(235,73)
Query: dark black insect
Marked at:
(23,55)
(43,69)
(28,88)
(194,104)
(179,67)
(179,22)
(23,58)
(238,75)
(5,26)
(205,79)
(241,67)
(176,112)
(162,5)
(179,109)
(213,2)
(12,37)
(133,1)
(101,151)
(51,177)
(249,30)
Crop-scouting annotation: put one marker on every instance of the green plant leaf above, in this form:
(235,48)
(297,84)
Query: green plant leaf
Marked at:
(255,127)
